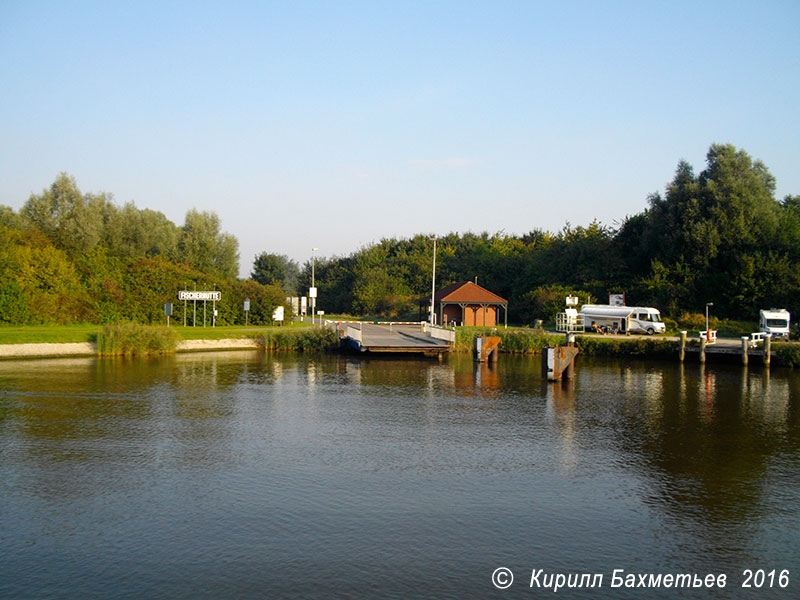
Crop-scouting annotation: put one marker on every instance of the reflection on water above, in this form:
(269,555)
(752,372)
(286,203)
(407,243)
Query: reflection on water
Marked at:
(210,475)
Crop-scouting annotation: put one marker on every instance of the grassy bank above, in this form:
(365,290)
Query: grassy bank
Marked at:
(57,334)
(49,334)
(642,347)
(531,341)
(512,340)
(296,339)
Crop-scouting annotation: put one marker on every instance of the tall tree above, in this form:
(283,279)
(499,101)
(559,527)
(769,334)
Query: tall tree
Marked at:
(72,221)
(207,249)
(277,269)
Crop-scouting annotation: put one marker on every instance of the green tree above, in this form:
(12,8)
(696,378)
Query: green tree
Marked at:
(72,221)
(131,233)
(276,269)
(205,248)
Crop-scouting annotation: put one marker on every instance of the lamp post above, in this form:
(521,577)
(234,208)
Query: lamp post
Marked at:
(707,305)
(313,290)
(433,282)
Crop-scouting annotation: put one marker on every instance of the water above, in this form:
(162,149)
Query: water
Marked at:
(241,475)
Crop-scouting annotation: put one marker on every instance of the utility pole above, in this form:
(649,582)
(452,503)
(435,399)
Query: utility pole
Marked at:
(433,283)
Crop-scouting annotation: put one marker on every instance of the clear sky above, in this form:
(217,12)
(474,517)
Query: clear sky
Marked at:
(335,124)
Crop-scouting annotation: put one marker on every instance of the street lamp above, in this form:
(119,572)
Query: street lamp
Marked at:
(707,305)
(313,291)
(433,282)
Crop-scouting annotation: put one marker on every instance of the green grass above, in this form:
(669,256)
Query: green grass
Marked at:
(55,334)
(44,334)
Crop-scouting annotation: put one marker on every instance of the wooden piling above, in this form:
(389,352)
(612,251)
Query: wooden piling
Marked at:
(767,349)
(703,342)
(745,342)
(682,353)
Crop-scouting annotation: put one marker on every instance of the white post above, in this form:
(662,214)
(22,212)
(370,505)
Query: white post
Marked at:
(313,285)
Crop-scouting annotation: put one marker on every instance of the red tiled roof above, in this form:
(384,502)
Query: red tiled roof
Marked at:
(468,292)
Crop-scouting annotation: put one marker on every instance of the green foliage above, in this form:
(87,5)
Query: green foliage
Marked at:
(545,302)
(517,341)
(312,339)
(129,339)
(639,346)
(788,355)
(275,269)
(264,299)
(205,248)
(718,236)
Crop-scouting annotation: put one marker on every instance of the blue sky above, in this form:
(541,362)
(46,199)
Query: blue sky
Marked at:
(333,125)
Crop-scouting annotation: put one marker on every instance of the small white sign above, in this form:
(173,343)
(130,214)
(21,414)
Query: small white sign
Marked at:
(277,315)
(312,292)
(616,299)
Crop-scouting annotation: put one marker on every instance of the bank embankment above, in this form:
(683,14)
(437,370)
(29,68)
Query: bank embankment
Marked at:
(294,340)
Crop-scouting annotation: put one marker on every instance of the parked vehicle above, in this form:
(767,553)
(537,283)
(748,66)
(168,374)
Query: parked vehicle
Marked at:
(622,319)
(775,321)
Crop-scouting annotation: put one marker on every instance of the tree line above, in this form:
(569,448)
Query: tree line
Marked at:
(719,236)
(68,257)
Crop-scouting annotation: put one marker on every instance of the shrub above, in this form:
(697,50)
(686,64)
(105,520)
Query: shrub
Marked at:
(312,339)
(788,355)
(128,339)
(519,341)
(650,347)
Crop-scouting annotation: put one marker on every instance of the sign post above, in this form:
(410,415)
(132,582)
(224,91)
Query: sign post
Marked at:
(246,310)
(312,293)
(168,311)
(194,296)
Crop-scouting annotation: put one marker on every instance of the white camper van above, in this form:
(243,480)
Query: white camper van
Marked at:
(774,321)
(622,319)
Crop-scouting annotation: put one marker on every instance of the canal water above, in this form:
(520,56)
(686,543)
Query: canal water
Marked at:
(245,475)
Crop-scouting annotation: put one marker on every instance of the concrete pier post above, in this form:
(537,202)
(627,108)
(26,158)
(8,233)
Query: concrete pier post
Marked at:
(744,349)
(682,353)
(703,342)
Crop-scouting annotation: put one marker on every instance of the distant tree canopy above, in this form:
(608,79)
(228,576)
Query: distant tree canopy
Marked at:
(275,269)
(68,257)
(719,236)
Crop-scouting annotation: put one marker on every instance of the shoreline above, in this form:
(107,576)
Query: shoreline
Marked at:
(73,349)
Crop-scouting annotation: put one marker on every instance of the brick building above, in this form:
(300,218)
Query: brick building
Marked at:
(468,303)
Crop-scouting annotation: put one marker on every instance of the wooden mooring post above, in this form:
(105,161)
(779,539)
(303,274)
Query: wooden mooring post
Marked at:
(745,345)
(559,361)
(682,353)
(487,349)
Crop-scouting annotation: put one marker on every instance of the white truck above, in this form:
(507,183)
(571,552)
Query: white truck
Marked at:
(775,321)
(622,319)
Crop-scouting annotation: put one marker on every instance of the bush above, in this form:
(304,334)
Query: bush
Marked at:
(128,339)
(650,347)
(788,355)
(519,341)
(312,339)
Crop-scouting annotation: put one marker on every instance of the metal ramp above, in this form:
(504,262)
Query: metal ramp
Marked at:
(392,337)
